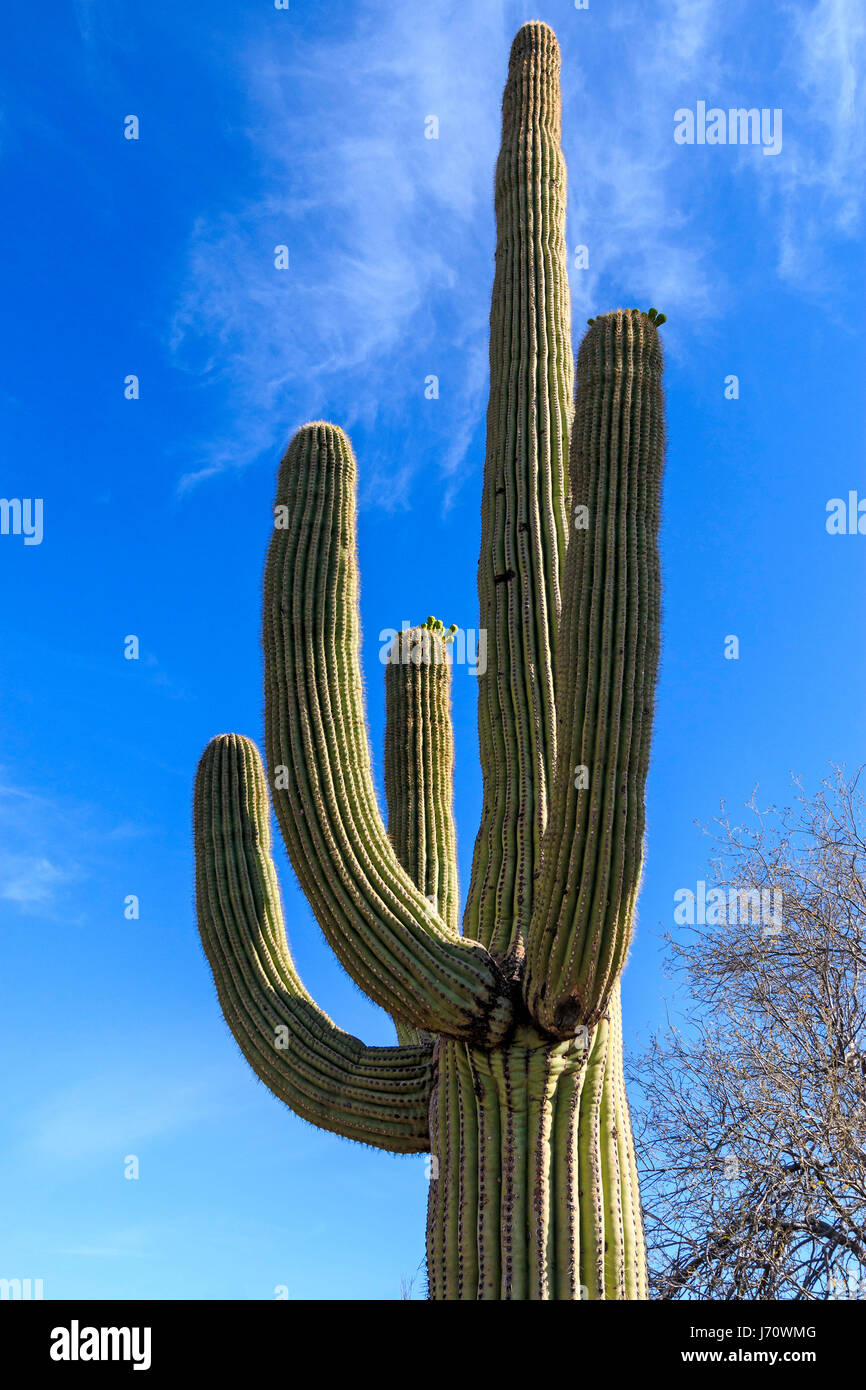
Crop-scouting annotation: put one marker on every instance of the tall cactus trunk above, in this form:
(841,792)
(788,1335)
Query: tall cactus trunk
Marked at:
(533,1179)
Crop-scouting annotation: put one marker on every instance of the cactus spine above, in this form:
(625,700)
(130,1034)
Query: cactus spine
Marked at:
(509,1064)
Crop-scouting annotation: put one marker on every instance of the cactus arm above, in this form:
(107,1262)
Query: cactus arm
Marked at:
(377,1095)
(524,500)
(419,771)
(419,766)
(608,658)
(378,923)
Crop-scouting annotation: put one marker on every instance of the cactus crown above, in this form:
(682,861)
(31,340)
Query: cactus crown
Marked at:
(437,625)
(652,314)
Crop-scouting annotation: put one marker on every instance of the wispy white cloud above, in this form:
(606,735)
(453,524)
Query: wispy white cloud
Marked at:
(85,19)
(37,864)
(822,187)
(371,212)
(130,1243)
(112,1116)
(48,848)
(30,880)
(390,235)
(651,240)
(395,232)
(686,28)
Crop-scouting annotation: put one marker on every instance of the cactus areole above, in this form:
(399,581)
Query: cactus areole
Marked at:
(509,1066)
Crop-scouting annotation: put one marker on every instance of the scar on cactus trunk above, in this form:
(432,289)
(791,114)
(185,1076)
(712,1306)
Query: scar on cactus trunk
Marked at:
(508,1069)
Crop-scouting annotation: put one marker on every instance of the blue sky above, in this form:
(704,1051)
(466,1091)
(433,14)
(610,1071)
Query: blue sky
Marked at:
(156,257)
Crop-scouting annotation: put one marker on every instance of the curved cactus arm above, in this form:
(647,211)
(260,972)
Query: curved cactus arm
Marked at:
(377,1095)
(525,494)
(608,659)
(419,770)
(378,923)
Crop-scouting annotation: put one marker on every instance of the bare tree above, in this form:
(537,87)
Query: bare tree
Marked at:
(407,1282)
(751,1107)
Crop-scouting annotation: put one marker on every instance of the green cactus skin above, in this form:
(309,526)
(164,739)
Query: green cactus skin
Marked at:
(379,1095)
(524,524)
(419,771)
(376,920)
(419,765)
(534,1192)
(509,1069)
(592,852)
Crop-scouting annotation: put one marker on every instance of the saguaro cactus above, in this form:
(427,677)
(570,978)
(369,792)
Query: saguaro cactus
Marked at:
(508,1068)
